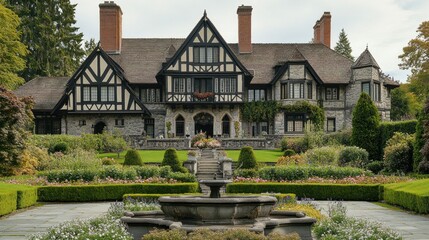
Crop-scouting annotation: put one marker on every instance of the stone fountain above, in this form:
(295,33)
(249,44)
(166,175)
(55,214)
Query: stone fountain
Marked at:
(215,212)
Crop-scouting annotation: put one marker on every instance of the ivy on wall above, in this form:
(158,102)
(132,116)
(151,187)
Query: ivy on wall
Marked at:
(314,113)
(261,111)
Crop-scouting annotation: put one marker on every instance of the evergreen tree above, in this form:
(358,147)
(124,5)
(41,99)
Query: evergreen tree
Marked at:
(420,140)
(400,105)
(365,123)
(343,46)
(88,47)
(49,33)
(12,51)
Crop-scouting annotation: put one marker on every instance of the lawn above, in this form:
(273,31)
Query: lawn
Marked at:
(156,156)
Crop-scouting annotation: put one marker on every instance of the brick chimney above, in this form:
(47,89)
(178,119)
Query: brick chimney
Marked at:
(322,30)
(110,27)
(244,29)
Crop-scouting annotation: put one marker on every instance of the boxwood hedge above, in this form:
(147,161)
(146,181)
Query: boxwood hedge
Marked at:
(351,192)
(14,197)
(410,195)
(107,192)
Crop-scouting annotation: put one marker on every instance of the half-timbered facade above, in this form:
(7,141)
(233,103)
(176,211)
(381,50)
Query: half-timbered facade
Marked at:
(178,87)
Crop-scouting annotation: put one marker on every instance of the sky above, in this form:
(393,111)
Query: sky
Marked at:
(385,26)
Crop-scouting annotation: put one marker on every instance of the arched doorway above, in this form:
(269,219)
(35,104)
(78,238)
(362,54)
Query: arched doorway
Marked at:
(180,126)
(204,122)
(99,127)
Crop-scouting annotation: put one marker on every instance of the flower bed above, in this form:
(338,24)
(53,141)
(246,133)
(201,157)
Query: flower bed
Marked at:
(378,179)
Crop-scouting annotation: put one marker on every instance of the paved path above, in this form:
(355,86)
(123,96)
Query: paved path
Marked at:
(409,226)
(39,219)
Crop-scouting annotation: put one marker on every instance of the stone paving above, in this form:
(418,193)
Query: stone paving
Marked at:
(39,219)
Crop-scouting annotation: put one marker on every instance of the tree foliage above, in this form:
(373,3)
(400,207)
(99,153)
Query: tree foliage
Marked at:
(400,105)
(88,47)
(15,120)
(259,111)
(365,123)
(343,46)
(420,140)
(49,33)
(415,57)
(314,113)
(12,51)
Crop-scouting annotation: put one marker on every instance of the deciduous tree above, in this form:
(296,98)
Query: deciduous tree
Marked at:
(12,51)
(400,105)
(343,46)
(416,58)
(16,119)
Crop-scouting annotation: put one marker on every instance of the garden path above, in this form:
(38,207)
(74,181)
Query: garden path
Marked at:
(39,219)
(408,225)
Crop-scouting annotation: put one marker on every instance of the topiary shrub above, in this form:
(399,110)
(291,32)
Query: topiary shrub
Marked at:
(322,156)
(133,158)
(59,147)
(375,166)
(108,161)
(353,156)
(365,122)
(398,154)
(288,153)
(291,160)
(171,159)
(247,159)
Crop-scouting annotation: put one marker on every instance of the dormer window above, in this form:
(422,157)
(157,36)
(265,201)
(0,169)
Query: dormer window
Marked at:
(206,54)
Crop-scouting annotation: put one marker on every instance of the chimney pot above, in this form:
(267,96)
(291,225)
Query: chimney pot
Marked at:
(110,27)
(244,29)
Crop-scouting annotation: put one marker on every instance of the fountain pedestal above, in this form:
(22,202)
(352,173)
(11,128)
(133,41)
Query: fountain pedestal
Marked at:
(215,186)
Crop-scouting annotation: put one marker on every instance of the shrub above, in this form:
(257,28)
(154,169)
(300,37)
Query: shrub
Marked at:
(388,129)
(423,167)
(296,144)
(246,173)
(13,196)
(398,154)
(291,160)
(171,159)
(349,192)
(145,172)
(365,122)
(7,202)
(322,156)
(164,171)
(308,209)
(288,153)
(353,156)
(375,166)
(59,147)
(182,177)
(338,138)
(132,157)
(420,140)
(206,234)
(313,139)
(108,192)
(32,158)
(112,142)
(108,161)
(114,172)
(247,159)
(77,159)
(68,175)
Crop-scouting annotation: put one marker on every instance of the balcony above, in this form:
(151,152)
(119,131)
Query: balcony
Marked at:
(205,97)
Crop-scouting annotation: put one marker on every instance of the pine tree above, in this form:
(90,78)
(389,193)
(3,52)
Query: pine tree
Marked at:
(365,123)
(343,46)
(12,51)
(88,47)
(49,33)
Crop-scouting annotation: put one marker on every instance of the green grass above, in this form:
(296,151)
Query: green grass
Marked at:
(156,156)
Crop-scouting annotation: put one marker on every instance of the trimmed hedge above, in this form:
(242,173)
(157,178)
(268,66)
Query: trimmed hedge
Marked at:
(14,197)
(107,192)
(8,202)
(350,192)
(410,195)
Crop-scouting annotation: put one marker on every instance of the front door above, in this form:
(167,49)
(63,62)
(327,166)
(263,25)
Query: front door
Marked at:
(204,123)
(99,128)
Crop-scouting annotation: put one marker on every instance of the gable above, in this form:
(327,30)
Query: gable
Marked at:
(204,51)
(296,71)
(99,85)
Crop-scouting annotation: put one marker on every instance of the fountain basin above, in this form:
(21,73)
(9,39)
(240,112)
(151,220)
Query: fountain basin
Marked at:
(217,211)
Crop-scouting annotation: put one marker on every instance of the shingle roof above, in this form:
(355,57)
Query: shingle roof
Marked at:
(365,60)
(142,58)
(46,91)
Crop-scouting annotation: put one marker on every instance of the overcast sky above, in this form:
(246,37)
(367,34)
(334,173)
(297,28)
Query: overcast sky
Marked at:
(385,26)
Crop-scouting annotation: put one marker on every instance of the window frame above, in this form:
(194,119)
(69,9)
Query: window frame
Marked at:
(149,122)
(294,118)
(369,88)
(206,54)
(261,92)
(334,124)
(332,89)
